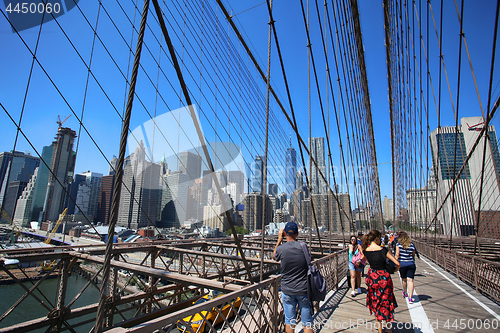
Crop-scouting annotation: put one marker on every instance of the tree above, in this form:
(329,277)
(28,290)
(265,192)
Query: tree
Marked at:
(239,230)
(388,224)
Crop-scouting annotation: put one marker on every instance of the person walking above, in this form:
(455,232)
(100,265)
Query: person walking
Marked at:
(355,268)
(293,278)
(405,253)
(380,298)
(360,242)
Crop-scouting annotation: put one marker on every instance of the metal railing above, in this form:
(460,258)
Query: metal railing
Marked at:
(482,274)
(161,281)
(254,308)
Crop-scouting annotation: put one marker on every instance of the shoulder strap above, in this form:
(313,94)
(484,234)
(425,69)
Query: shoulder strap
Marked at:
(306,253)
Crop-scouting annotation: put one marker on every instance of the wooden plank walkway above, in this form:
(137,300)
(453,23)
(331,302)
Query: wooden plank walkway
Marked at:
(443,304)
(344,313)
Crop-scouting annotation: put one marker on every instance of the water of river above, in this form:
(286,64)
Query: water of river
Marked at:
(31,309)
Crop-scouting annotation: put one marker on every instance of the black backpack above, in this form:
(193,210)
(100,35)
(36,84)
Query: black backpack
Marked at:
(316,284)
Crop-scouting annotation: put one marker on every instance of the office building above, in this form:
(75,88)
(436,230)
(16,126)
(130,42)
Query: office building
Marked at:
(341,211)
(253,216)
(388,207)
(321,210)
(88,194)
(272,189)
(22,215)
(62,168)
(112,167)
(73,192)
(215,218)
(450,148)
(317,149)
(237,177)
(140,191)
(105,199)
(190,164)
(291,170)
(257,174)
(174,199)
(16,170)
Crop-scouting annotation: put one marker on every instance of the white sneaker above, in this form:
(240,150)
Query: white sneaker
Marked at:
(353,293)
(359,290)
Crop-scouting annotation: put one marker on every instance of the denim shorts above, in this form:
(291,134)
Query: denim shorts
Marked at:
(290,308)
(353,267)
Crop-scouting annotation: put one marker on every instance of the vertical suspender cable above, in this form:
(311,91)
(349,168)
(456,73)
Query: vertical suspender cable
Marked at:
(264,182)
(200,135)
(103,295)
(486,137)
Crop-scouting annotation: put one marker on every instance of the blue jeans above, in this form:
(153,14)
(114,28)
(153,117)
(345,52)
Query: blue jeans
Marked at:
(290,306)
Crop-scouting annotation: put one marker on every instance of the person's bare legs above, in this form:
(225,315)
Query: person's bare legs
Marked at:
(410,287)
(405,286)
(308,330)
(379,322)
(353,281)
(358,278)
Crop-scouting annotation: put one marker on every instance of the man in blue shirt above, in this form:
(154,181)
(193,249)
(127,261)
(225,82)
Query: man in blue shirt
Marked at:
(293,278)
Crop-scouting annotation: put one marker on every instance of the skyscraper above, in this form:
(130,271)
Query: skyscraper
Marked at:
(237,177)
(449,152)
(73,191)
(300,181)
(62,167)
(174,199)
(340,215)
(41,184)
(22,214)
(16,170)
(112,167)
(272,189)
(105,199)
(140,191)
(388,209)
(190,164)
(257,174)
(317,149)
(253,215)
(88,194)
(291,170)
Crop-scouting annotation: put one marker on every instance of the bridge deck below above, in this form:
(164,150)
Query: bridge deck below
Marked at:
(443,304)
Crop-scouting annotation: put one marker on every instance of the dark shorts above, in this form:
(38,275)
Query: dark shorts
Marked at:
(408,271)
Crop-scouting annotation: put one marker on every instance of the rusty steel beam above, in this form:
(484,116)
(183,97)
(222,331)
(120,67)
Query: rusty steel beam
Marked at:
(169,276)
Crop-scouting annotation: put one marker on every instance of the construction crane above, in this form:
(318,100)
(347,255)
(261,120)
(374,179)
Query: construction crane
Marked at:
(47,265)
(59,122)
(54,230)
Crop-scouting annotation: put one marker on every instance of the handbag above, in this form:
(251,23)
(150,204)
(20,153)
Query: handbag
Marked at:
(357,257)
(390,267)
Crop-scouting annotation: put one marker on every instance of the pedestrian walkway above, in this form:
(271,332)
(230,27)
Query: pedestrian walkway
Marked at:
(443,304)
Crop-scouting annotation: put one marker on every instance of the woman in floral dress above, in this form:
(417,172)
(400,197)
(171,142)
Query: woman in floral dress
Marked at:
(380,298)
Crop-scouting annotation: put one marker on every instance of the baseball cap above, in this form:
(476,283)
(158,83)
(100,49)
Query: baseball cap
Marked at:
(291,228)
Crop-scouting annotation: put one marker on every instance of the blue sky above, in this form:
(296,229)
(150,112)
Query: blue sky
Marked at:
(101,111)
